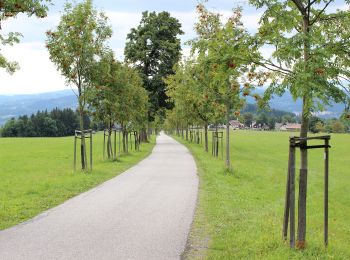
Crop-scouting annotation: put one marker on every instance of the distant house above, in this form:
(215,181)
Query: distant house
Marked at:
(235,124)
(293,127)
(290,127)
(278,126)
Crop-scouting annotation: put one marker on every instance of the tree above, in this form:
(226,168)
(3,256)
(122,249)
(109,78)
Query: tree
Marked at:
(154,48)
(189,89)
(313,121)
(75,45)
(337,127)
(303,62)
(228,48)
(319,127)
(248,119)
(118,97)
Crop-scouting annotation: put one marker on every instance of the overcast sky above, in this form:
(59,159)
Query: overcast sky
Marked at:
(38,74)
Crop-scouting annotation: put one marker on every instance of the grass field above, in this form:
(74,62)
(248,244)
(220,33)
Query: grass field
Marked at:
(37,174)
(240,216)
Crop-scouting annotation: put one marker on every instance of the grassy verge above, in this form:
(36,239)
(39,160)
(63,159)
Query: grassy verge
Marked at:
(240,216)
(37,174)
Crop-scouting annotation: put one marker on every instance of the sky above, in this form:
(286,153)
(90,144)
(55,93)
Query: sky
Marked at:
(38,74)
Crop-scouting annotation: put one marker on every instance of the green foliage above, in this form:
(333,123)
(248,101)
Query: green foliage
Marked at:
(76,45)
(10,9)
(154,48)
(119,95)
(303,57)
(43,124)
(227,49)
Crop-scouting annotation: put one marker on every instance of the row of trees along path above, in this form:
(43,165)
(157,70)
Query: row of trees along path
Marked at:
(130,93)
(309,58)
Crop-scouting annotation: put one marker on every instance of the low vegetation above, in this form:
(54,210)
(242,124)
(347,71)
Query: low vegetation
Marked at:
(44,176)
(240,215)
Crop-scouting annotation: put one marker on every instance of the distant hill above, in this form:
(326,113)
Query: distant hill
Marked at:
(16,105)
(286,103)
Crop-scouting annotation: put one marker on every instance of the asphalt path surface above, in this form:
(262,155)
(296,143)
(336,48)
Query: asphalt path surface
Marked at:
(144,213)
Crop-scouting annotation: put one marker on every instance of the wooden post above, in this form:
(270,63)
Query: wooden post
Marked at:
(75,152)
(292,196)
(287,200)
(222,146)
(115,144)
(91,150)
(119,142)
(326,165)
(104,143)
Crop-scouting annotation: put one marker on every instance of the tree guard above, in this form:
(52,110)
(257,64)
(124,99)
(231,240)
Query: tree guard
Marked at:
(196,135)
(217,143)
(87,135)
(136,142)
(114,150)
(289,211)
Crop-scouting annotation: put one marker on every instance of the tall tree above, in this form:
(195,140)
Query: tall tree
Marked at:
(10,9)
(75,45)
(228,47)
(303,62)
(154,48)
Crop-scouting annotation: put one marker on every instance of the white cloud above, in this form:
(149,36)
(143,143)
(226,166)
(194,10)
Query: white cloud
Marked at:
(37,73)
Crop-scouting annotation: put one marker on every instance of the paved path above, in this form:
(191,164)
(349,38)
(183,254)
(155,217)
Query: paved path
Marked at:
(144,213)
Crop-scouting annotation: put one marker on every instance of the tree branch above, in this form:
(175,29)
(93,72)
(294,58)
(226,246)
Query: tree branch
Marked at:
(300,7)
(320,13)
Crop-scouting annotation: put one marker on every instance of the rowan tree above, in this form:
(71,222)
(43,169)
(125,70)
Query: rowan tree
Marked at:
(303,61)
(74,46)
(228,48)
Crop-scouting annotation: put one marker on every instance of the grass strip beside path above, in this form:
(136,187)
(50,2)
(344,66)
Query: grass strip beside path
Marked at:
(240,216)
(37,174)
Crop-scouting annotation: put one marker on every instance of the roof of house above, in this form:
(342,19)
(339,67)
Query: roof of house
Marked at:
(293,126)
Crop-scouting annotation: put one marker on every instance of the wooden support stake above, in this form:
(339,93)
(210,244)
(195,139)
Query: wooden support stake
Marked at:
(326,165)
(75,152)
(115,144)
(287,198)
(292,198)
(91,150)
(104,144)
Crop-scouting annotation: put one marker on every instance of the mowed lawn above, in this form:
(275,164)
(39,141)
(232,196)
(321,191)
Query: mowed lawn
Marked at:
(241,215)
(37,174)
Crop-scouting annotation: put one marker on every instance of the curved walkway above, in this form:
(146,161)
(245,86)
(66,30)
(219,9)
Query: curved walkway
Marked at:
(144,213)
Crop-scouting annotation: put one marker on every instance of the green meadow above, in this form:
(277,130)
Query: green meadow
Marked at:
(37,174)
(240,215)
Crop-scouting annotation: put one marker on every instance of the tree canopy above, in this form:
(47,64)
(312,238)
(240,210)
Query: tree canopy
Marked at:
(154,48)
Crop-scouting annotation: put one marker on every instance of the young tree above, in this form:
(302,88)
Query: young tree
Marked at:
(103,97)
(75,45)
(154,48)
(189,89)
(228,48)
(10,9)
(303,62)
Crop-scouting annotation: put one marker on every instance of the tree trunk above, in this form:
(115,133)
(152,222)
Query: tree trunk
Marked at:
(303,144)
(303,179)
(186,133)
(206,136)
(143,135)
(109,142)
(228,161)
(83,145)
